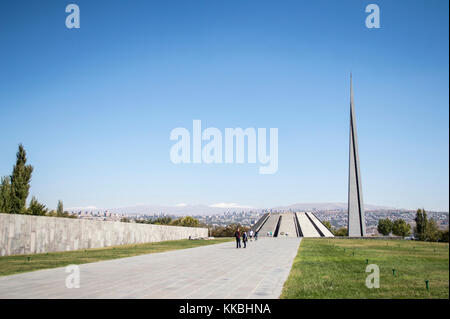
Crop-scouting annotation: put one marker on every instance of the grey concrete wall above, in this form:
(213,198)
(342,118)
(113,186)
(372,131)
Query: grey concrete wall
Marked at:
(24,234)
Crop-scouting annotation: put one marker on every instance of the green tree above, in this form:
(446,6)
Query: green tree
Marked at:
(5,195)
(162,221)
(385,226)
(187,221)
(228,231)
(20,182)
(420,230)
(432,233)
(443,236)
(60,209)
(60,212)
(142,221)
(36,208)
(341,232)
(51,213)
(401,228)
(328,225)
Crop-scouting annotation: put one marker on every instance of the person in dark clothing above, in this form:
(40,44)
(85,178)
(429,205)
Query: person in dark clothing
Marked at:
(256,236)
(244,239)
(237,235)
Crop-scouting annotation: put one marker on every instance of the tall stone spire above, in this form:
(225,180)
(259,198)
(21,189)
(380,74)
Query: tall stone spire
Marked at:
(356,222)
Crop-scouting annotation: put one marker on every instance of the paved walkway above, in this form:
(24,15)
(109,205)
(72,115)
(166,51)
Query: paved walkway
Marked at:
(215,271)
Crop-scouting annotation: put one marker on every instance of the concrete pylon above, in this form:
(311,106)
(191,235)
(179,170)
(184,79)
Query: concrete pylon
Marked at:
(356,221)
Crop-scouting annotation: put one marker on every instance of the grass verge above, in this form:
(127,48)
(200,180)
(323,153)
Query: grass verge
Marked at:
(22,263)
(336,268)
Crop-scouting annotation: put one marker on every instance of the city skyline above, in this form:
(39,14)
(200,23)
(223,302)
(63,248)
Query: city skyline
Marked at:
(199,209)
(94,107)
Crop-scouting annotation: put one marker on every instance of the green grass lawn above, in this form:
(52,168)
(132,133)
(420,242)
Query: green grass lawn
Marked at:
(20,263)
(335,268)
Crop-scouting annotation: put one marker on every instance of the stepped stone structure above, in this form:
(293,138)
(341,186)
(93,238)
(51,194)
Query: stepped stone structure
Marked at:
(289,224)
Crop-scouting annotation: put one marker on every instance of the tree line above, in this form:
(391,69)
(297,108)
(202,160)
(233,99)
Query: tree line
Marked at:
(187,221)
(426,229)
(228,231)
(336,232)
(15,188)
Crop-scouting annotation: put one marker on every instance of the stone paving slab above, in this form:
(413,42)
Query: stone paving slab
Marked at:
(215,271)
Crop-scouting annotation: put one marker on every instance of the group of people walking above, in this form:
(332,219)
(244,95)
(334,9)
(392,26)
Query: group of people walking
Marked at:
(244,237)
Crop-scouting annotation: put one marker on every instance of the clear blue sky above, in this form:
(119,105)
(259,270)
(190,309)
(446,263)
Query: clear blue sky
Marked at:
(94,107)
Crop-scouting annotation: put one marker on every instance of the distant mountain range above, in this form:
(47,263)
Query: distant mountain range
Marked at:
(183,209)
